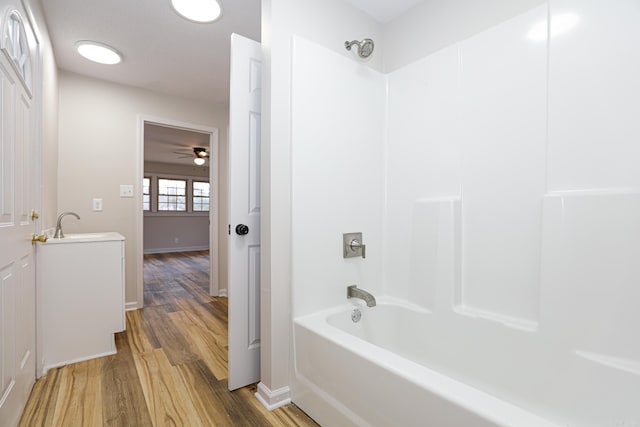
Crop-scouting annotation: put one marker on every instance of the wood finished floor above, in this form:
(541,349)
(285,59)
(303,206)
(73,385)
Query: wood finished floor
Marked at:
(171,366)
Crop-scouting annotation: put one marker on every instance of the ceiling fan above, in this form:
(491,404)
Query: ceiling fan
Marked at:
(200,154)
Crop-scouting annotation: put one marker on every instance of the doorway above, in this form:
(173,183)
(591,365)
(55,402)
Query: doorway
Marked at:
(178,197)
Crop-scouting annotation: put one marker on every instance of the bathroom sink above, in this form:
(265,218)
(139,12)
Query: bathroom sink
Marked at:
(87,237)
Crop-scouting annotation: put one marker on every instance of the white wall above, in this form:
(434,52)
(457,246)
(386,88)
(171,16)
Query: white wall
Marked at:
(175,233)
(434,24)
(328,23)
(176,169)
(98,152)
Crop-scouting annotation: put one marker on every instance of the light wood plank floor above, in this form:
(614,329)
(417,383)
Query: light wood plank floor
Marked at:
(171,366)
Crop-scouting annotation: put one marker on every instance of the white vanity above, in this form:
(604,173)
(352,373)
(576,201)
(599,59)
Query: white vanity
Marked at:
(80,297)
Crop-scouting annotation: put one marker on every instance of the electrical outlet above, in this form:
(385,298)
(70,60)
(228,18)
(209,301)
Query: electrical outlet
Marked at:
(97,205)
(126,191)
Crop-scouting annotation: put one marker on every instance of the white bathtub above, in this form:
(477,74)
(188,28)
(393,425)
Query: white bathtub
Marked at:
(347,375)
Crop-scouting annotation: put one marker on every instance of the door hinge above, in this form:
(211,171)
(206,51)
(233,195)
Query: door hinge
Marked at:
(229,229)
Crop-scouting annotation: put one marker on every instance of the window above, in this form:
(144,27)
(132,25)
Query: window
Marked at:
(172,194)
(14,42)
(200,196)
(176,195)
(146,194)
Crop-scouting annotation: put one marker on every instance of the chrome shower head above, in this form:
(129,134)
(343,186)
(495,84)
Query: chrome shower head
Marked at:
(365,47)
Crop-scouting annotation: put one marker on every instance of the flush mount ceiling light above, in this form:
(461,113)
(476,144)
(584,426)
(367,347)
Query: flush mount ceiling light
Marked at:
(198,10)
(98,52)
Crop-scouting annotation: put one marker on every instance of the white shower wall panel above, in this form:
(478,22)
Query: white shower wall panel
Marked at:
(422,159)
(503,87)
(337,175)
(591,252)
(470,121)
(594,95)
(589,303)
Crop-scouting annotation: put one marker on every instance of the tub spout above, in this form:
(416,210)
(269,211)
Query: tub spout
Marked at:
(354,292)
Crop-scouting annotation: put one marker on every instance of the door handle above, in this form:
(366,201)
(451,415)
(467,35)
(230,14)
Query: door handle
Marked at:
(242,229)
(38,238)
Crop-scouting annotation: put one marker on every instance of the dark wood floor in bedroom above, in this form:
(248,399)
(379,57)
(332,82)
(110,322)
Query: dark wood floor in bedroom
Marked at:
(171,366)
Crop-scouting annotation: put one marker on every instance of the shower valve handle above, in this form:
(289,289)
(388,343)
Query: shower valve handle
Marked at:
(355,244)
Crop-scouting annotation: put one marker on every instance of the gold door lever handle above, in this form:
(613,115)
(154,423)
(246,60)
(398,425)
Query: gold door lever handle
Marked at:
(39,238)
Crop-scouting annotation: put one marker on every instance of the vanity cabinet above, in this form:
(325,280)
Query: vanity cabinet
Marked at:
(80,296)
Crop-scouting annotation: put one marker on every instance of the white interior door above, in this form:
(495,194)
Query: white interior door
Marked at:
(244,212)
(17,179)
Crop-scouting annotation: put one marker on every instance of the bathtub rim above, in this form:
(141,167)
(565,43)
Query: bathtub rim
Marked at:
(500,412)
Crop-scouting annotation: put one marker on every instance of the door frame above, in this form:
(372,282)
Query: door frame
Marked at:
(214,179)
(43,211)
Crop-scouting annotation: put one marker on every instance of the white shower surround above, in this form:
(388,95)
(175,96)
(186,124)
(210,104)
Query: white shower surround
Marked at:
(497,186)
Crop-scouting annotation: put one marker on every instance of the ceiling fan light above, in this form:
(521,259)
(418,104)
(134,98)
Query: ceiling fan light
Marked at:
(98,52)
(200,152)
(199,161)
(198,10)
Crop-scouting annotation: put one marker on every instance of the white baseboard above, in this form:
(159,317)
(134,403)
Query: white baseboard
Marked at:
(46,368)
(273,399)
(170,250)
(130,306)
(223,293)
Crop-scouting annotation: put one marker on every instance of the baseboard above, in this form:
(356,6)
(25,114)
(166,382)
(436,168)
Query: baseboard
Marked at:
(170,250)
(273,399)
(223,293)
(46,368)
(130,306)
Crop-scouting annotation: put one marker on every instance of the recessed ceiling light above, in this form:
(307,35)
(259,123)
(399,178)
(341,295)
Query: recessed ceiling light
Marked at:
(198,10)
(98,52)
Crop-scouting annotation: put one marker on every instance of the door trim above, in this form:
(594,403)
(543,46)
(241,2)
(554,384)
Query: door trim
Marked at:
(214,178)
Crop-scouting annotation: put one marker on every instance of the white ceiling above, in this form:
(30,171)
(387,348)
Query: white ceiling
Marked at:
(161,51)
(384,11)
(166,53)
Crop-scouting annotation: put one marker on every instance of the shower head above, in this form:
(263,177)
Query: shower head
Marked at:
(365,47)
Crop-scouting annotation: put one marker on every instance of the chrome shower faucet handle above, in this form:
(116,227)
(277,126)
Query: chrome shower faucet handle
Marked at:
(355,244)
(352,246)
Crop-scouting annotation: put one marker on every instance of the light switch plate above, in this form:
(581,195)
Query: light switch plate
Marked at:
(126,190)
